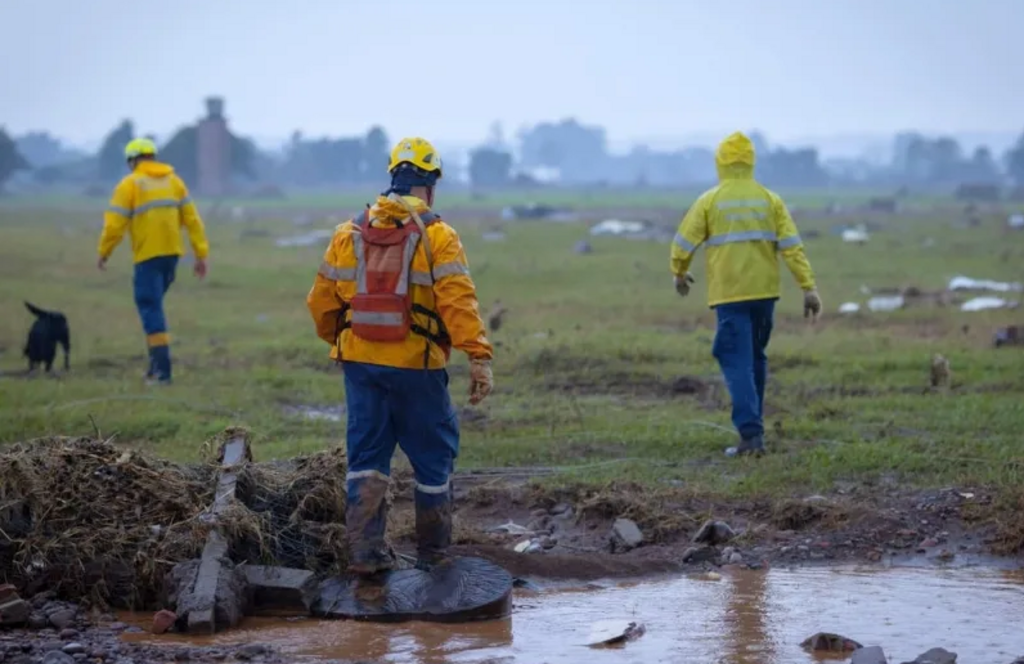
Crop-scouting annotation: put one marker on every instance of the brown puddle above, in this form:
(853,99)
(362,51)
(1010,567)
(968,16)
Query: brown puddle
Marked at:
(741,618)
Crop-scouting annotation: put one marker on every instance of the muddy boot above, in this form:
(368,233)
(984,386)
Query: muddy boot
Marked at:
(365,521)
(433,528)
(753,446)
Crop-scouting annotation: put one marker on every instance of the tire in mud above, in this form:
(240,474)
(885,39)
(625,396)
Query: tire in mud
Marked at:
(460,590)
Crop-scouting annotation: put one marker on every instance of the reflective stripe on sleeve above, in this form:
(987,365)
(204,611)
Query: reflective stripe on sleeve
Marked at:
(683,243)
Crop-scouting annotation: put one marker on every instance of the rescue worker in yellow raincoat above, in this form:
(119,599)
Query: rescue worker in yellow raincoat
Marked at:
(744,226)
(153,204)
(393,296)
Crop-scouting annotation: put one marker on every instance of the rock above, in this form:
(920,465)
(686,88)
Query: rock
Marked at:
(735,558)
(548,542)
(869,655)
(79,657)
(163,621)
(714,532)
(828,642)
(117,626)
(935,656)
(74,648)
(560,508)
(37,621)
(68,633)
(57,657)
(928,543)
(699,554)
(610,632)
(625,535)
(251,651)
(62,618)
(14,611)
(8,592)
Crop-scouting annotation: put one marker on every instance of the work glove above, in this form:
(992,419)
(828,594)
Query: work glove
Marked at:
(683,284)
(481,380)
(812,304)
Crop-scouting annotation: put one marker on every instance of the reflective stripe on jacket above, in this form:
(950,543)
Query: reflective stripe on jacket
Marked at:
(446,289)
(744,226)
(152,204)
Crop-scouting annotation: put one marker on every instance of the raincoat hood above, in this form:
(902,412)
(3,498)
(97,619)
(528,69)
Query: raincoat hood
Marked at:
(154,169)
(386,212)
(735,157)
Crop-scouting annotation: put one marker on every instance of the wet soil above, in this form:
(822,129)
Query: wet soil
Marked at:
(572,530)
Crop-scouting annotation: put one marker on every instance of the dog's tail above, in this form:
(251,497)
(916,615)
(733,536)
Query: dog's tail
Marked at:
(34,309)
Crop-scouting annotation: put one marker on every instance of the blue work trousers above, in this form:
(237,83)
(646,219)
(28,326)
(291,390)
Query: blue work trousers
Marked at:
(150,282)
(388,406)
(744,329)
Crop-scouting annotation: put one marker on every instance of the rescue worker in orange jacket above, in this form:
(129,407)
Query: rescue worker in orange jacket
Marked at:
(393,296)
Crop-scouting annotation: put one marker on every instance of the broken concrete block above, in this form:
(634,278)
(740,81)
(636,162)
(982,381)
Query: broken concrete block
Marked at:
(207,604)
(282,588)
(626,535)
(869,655)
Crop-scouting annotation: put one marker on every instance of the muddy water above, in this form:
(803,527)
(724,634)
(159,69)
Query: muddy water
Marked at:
(741,618)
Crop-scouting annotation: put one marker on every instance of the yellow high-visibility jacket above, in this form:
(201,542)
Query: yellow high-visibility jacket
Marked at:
(152,204)
(744,225)
(447,290)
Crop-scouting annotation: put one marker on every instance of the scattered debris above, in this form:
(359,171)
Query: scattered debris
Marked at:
(613,632)
(625,535)
(328,413)
(935,656)
(493,236)
(869,655)
(309,239)
(849,308)
(528,546)
(582,247)
(714,532)
(887,303)
(537,211)
(511,528)
(828,642)
(631,230)
(940,371)
(494,318)
(1008,336)
(960,283)
(987,303)
(1015,221)
(858,235)
(700,554)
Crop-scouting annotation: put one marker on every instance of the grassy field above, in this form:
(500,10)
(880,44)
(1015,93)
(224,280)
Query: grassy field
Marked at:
(589,360)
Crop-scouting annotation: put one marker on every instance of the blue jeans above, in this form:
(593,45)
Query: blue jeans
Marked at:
(744,329)
(388,406)
(150,282)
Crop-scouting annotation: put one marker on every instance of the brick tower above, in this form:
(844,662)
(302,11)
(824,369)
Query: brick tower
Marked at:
(213,150)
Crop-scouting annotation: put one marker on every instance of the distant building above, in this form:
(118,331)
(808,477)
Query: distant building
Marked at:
(213,151)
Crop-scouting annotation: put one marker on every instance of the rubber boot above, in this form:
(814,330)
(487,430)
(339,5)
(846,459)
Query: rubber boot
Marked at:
(366,518)
(753,446)
(433,528)
(151,371)
(161,365)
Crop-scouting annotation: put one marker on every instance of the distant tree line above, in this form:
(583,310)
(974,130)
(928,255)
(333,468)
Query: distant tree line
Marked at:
(567,152)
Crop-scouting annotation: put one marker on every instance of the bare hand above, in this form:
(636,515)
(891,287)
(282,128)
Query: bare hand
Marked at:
(101,264)
(200,268)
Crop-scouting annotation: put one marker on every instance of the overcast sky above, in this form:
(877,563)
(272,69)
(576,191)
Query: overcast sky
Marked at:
(447,69)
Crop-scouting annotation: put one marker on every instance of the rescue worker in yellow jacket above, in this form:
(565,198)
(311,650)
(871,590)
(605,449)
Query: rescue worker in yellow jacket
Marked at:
(153,204)
(392,297)
(744,226)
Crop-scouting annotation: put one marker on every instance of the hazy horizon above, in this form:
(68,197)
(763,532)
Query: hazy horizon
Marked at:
(647,71)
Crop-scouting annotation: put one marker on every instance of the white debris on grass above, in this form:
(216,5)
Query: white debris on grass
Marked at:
(966,283)
(986,303)
(858,235)
(849,308)
(886,303)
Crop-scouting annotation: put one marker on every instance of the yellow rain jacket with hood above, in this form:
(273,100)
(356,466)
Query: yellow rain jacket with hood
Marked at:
(152,204)
(444,288)
(743,225)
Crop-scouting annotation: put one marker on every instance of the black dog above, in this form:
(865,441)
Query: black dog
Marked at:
(49,329)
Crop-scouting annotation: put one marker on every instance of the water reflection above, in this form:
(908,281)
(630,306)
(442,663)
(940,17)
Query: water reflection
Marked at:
(748,640)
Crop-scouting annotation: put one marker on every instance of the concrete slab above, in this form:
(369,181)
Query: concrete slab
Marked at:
(282,588)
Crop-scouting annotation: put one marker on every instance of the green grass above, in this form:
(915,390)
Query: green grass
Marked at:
(583,363)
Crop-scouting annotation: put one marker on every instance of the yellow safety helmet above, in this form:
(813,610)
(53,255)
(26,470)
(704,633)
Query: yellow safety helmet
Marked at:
(418,152)
(138,147)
